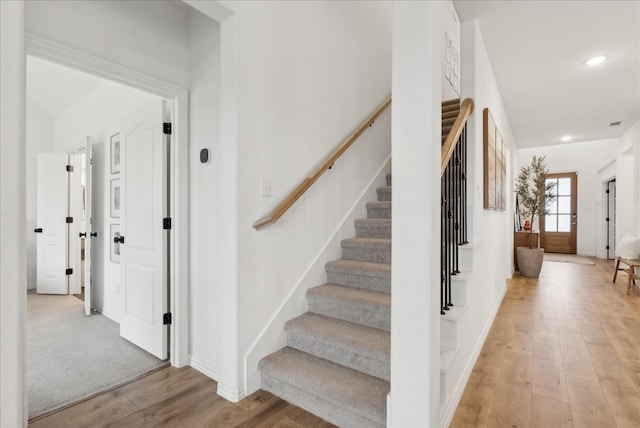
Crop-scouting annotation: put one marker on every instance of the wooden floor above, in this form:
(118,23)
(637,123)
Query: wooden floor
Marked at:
(178,398)
(564,351)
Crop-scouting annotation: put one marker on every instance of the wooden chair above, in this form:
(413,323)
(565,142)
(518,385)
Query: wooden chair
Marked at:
(630,270)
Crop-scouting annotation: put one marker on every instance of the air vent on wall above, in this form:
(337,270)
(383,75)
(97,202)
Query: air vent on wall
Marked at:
(615,124)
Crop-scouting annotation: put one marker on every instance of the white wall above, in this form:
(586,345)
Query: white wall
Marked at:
(13,411)
(150,37)
(205,246)
(301,90)
(587,159)
(39,139)
(451,77)
(630,150)
(418,38)
(97,115)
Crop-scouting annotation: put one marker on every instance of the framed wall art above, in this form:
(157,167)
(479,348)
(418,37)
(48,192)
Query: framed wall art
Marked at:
(115,153)
(115,198)
(495,167)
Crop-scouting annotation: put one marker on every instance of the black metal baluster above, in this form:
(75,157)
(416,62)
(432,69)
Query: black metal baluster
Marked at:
(464,185)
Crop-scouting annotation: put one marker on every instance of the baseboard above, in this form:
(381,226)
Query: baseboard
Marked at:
(226,391)
(450,407)
(230,393)
(204,367)
(272,337)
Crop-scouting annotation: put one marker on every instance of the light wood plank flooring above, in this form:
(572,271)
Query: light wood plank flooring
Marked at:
(564,351)
(181,398)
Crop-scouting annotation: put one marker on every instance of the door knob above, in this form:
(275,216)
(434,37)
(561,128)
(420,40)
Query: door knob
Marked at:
(119,239)
(93,234)
(82,235)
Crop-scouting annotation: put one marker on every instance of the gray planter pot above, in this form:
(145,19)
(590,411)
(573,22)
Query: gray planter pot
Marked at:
(530,261)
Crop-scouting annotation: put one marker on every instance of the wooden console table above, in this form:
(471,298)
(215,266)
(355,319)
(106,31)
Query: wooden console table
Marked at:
(521,239)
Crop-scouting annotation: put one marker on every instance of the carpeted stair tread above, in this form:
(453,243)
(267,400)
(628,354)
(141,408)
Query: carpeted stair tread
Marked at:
(360,274)
(379,209)
(343,388)
(356,305)
(384,193)
(373,228)
(355,346)
(361,268)
(374,250)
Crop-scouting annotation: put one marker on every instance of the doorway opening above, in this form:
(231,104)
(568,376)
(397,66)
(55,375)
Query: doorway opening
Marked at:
(610,218)
(120,133)
(558,229)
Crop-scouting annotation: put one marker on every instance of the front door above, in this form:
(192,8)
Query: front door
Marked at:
(143,241)
(559,226)
(52,196)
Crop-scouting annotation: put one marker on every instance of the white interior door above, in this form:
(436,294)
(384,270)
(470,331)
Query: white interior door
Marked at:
(75,227)
(144,250)
(52,198)
(88,224)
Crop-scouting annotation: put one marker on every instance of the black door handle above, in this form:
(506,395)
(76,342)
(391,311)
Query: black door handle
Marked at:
(38,230)
(82,235)
(119,239)
(93,234)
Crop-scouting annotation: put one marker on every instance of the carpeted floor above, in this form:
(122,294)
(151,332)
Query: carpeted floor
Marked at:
(70,356)
(567,258)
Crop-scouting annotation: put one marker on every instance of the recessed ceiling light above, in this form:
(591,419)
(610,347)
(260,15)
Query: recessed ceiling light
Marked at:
(596,60)
(566,138)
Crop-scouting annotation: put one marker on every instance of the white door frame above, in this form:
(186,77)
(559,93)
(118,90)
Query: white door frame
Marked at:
(179,171)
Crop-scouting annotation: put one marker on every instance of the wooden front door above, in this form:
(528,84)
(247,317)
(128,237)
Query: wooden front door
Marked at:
(559,227)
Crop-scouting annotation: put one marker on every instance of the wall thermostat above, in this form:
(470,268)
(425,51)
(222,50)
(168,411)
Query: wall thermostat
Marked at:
(204,155)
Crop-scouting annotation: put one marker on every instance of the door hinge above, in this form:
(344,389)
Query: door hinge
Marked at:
(607,247)
(69,168)
(166,128)
(606,191)
(607,219)
(166,223)
(69,272)
(69,219)
(166,318)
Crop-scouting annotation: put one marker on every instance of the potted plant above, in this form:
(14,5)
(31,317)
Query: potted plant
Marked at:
(534,193)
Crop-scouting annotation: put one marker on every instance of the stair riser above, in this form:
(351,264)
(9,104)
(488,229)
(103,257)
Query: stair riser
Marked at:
(316,405)
(459,293)
(379,213)
(370,317)
(374,255)
(364,363)
(360,281)
(449,333)
(373,231)
(384,194)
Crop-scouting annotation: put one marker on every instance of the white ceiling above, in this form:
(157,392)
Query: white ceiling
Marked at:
(56,88)
(537,49)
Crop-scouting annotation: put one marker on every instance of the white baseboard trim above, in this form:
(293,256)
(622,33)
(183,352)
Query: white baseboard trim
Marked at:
(451,406)
(204,367)
(229,393)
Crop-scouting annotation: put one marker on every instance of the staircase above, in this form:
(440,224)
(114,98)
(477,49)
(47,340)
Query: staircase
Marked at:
(337,360)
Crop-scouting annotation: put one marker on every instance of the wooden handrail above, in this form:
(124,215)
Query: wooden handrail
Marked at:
(292,197)
(452,139)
